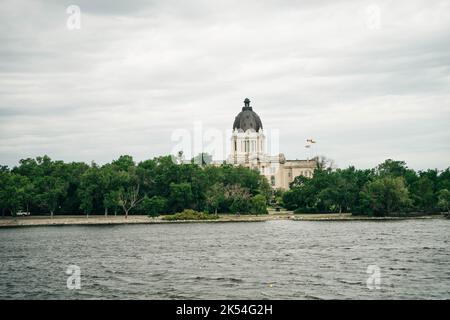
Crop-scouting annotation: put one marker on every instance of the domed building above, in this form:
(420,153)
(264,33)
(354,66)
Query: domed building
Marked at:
(247,119)
(248,148)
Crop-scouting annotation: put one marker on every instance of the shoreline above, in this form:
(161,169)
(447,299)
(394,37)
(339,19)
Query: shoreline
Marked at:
(98,220)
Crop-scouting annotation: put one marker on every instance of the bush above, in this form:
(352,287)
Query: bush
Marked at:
(154,206)
(189,214)
(258,204)
(305,210)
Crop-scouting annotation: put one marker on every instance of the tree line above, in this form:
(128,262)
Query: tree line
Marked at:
(155,186)
(391,188)
(160,186)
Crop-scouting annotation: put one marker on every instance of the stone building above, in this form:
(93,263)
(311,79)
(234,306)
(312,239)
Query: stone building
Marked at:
(249,149)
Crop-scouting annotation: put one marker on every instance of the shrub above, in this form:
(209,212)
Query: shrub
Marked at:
(305,210)
(189,214)
(258,204)
(154,206)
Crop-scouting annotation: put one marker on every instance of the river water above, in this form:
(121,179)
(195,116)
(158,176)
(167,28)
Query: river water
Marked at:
(261,260)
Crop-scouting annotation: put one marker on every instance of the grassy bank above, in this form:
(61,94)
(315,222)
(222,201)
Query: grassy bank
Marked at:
(143,219)
(118,220)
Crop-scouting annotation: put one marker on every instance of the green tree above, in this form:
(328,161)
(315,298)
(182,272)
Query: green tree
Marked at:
(91,190)
(42,184)
(111,201)
(4,183)
(154,206)
(443,180)
(444,200)
(423,194)
(13,195)
(258,204)
(214,197)
(51,191)
(238,198)
(124,163)
(109,182)
(180,197)
(129,195)
(387,195)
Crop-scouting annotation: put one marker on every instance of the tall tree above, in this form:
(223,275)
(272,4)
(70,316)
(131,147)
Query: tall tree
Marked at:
(214,196)
(51,191)
(387,195)
(154,206)
(129,198)
(444,200)
(181,196)
(128,193)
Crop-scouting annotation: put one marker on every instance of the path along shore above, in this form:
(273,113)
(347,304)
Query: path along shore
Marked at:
(142,219)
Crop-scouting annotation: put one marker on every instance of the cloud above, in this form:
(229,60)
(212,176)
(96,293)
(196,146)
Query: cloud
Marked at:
(136,71)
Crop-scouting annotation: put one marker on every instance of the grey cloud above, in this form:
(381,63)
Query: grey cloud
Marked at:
(137,70)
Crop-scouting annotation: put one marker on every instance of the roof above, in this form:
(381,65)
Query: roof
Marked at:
(247,119)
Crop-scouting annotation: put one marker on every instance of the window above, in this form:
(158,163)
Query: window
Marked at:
(272,180)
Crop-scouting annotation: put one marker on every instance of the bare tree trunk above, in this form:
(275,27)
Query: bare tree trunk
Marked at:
(129,200)
(106,212)
(51,214)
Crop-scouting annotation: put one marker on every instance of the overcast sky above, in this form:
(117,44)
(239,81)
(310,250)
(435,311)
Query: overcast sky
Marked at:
(365,89)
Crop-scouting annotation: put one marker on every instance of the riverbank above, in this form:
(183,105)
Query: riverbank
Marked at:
(349,217)
(141,219)
(118,220)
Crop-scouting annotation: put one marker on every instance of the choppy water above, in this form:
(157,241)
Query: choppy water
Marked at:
(268,260)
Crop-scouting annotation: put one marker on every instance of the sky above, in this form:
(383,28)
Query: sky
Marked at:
(368,80)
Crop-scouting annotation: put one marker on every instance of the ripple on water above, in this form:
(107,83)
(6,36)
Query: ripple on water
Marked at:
(274,260)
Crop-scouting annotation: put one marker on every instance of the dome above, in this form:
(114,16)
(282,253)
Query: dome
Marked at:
(247,119)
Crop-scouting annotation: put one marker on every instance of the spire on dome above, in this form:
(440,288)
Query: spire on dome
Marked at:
(246,104)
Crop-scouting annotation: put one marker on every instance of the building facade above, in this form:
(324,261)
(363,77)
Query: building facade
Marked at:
(249,149)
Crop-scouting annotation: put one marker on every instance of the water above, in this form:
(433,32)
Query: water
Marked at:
(267,260)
